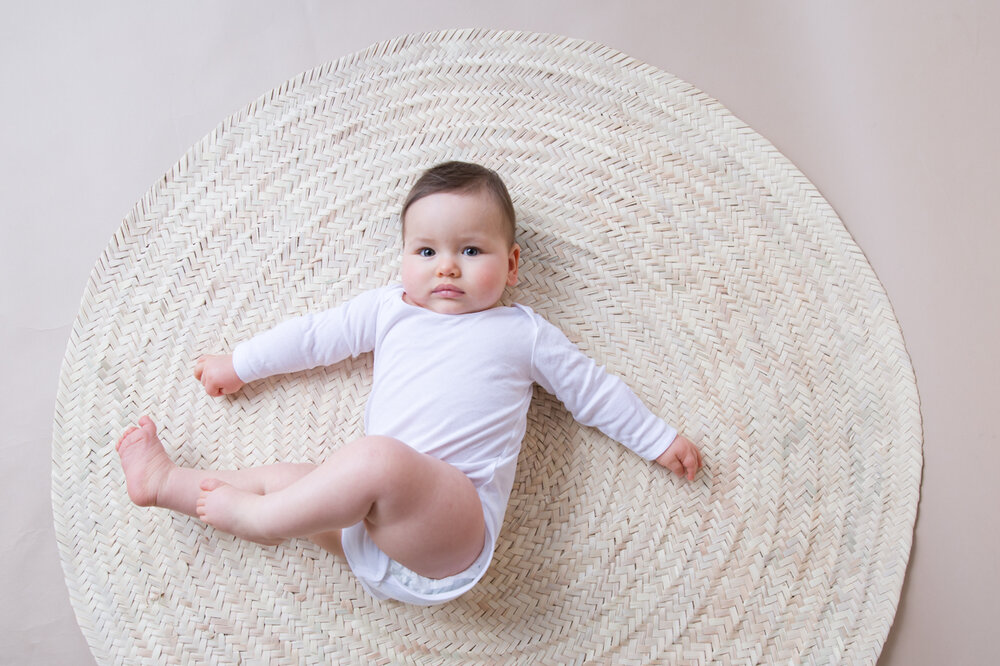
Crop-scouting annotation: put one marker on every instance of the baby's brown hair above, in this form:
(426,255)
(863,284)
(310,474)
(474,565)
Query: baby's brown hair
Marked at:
(463,177)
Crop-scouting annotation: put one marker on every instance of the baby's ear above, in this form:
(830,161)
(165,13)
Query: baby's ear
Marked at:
(513,259)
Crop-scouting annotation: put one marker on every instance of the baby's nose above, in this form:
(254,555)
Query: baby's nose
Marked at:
(447,265)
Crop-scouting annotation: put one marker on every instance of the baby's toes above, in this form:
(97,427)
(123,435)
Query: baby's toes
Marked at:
(208,485)
(135,436)
(200,506)
(121,440)
(147,424)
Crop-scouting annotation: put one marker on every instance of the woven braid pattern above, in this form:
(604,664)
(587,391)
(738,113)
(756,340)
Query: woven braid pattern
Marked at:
(670,241)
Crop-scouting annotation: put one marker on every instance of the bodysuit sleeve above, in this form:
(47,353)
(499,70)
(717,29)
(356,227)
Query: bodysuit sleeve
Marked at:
(312,340)
(594,397)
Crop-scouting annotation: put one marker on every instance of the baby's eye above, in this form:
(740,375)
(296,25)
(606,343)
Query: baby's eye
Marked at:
(425,252)
(470,251)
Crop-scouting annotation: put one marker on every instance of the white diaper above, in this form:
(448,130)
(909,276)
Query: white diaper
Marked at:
(385,578)
(423,585)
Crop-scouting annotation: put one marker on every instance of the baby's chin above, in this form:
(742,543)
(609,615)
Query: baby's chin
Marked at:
(448,306)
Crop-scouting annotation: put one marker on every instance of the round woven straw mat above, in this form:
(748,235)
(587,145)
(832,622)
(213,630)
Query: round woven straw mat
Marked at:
(671,242)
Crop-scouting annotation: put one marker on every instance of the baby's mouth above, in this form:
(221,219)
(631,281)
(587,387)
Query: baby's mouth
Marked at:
(448,291)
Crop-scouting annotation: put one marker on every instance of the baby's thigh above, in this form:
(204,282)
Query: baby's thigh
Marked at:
(429,517)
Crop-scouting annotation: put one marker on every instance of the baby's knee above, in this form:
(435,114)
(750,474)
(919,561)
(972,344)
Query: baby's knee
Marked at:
(384,458)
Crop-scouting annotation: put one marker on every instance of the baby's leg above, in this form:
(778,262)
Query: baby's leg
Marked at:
(421,511)
(152,479)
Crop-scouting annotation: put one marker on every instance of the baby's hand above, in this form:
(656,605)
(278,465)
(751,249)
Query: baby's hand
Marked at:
(681,457)
(217,375)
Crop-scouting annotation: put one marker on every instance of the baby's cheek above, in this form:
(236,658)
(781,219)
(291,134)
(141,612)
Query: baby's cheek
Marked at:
(487,284)
(409,276)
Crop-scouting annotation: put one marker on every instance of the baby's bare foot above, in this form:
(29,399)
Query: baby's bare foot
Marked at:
(144,461)
(234,511)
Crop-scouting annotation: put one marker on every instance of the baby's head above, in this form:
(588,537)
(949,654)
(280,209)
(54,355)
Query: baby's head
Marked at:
(464,178)
(458,239)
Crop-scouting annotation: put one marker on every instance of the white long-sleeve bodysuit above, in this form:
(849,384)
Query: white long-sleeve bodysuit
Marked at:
(456,387)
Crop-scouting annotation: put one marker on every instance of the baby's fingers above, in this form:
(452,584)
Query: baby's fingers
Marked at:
(692,463)
(676,466)
(199,367)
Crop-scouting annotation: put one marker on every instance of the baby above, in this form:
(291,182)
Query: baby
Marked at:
(414,506)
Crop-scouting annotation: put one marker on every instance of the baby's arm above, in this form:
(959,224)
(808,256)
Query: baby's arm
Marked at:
(217,375)
(597,398)
(299,343)
(682,457)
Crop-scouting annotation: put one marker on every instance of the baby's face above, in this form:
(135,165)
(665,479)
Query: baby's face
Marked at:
(456,256)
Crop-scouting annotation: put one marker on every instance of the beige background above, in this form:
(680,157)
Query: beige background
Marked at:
(889,107)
